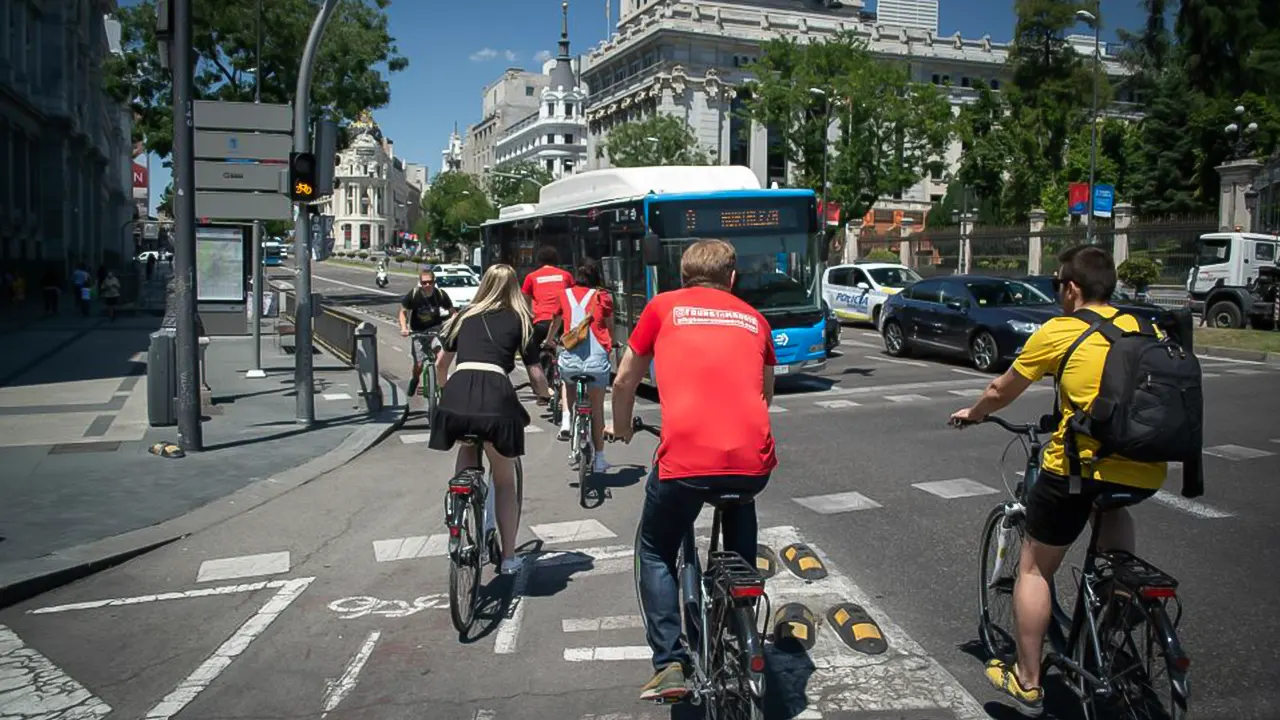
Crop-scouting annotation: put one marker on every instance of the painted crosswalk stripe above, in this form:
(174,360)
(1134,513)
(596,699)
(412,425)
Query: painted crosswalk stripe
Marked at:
(909,398)
(1236,452)
(410,548)
(613,622)
(1209,375)
(37,688)
(775,409)
(838,503)
(533,429)
(624,652)
(415,438)
(1192,507)
(572,531)
(336,396)
(1245,371)
(837,404)
(243,566)
(953,489)
(912,363)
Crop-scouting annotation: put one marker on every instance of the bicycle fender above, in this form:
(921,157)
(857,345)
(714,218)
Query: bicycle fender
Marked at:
(752,647)
(1174,656)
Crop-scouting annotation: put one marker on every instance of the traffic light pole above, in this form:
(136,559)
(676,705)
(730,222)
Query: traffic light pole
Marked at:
(303,371)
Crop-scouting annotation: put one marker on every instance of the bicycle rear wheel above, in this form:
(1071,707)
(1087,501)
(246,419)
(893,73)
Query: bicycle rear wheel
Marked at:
(1137,660)
(466,562)
(732,677)
(997,573)
(586,460)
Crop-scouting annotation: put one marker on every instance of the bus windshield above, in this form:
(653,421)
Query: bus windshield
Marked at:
(774,236)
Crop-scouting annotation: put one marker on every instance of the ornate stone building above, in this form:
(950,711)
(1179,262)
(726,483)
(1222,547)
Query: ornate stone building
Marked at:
(374,200)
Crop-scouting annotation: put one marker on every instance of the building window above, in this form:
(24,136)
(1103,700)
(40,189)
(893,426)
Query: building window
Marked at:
(551,109)
(364,236)
(568,109)
(346,236)
(382,236)
(739,133)
(568,139)
(528,91)
(551,165)
(935,199)
(964,81)
(937,79)
(551,139)
(995,84)
(350,206)
(776,158)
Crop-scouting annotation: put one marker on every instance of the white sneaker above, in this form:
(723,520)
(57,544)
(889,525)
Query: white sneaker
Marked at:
(600,464)
(565,429)
(512,566)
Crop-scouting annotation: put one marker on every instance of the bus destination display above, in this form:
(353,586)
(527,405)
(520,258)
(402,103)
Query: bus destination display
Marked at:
(714,220)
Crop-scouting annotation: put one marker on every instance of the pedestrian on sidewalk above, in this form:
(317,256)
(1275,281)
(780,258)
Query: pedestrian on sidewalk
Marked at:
(111,294)
(19,288)
(151,266)
(50,286)
(80,280)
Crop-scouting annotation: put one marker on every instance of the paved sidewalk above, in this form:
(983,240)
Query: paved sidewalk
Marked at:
(74,434)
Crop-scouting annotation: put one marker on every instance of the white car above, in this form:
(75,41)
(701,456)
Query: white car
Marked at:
(857,292)
(454,269)
(460,287)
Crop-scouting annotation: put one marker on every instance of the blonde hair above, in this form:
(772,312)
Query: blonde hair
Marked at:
(708,263)
(498,291)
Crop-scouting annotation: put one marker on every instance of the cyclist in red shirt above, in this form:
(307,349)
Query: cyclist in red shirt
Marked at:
(713,361)
(544,287)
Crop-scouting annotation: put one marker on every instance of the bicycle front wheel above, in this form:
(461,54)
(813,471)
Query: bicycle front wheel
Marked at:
(997,574)
(465,564)
(429,387)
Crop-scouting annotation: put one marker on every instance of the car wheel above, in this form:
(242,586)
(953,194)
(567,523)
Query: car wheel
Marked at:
(895,339)
(875,317)
(1225,315)
(984,352)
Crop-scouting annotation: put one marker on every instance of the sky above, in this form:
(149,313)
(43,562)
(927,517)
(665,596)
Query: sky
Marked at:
(456,47)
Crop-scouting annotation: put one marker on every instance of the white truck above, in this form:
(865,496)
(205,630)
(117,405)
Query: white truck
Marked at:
(1235,280)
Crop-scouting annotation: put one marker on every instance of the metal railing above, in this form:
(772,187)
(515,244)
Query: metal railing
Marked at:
(332,329)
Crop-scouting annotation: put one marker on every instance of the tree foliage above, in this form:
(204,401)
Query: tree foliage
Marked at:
(349,71)
(656,140)
(508,190)
(888,131)
(453,209)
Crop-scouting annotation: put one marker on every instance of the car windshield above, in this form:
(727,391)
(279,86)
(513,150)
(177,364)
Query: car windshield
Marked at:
(456,281)
(893,277)
(1212,252)
(1006,293)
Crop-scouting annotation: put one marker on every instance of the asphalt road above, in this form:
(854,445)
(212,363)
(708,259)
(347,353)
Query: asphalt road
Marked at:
(330,599)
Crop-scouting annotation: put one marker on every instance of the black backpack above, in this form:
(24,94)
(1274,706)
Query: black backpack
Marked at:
(1150,405)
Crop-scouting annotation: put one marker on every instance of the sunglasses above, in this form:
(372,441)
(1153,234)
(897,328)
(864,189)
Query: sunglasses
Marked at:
(426,282)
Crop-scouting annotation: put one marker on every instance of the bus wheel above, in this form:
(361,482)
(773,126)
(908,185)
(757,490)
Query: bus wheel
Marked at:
(1225,314)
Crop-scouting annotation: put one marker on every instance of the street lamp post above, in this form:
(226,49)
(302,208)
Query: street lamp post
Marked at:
(1092,20)
(826,144)
(1239,147)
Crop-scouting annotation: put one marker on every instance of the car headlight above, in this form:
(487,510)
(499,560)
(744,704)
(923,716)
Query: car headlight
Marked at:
(1026,328)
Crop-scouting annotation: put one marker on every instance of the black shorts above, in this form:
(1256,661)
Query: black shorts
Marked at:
(1056,517)
(539,336)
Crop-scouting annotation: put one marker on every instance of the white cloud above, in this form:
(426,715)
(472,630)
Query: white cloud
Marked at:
(510,55)
(483,55)
(543,56)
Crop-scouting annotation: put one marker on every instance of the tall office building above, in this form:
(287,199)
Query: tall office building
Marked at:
(921,14)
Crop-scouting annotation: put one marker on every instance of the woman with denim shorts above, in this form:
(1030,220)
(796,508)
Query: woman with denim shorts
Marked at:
(587,299)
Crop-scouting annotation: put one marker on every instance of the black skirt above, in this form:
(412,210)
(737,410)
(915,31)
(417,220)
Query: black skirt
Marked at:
(480,403)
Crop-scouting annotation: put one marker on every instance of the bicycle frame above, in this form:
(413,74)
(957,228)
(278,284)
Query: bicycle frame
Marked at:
(581,422)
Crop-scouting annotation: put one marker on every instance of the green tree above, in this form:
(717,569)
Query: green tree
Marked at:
(349,73)
(657,140)
(988,150)
(453,209)
(1217,38)
(508,190)
(891,130)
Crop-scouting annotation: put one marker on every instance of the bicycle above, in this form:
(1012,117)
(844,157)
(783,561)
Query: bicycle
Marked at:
(551,370)
(473,542)
(1121,608)
(720,613)
(582,451)
(428,386)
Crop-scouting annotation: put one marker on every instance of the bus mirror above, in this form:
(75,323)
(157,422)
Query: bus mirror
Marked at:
(651,249)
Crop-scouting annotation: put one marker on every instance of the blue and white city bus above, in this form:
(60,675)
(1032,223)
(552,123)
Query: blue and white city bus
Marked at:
(638,221)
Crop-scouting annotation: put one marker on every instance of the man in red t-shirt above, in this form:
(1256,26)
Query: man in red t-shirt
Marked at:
(544,287)
(713,363)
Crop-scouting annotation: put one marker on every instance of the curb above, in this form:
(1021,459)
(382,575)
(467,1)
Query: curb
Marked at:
(1261,356)
(24,579)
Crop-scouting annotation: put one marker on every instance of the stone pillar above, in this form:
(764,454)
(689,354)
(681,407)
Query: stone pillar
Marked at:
(1120,245)
(1235,178)
(1034,248)
(852,234)
(905,256)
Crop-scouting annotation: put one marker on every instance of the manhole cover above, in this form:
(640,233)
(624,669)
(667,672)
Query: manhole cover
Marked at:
(90,447)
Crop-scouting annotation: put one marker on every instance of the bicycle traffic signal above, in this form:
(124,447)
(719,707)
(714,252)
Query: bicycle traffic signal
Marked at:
(303,184)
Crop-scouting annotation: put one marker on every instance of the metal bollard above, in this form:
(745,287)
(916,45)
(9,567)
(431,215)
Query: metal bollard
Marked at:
(367,366)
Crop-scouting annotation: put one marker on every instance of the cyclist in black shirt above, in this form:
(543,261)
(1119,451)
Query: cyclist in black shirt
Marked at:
(423,309)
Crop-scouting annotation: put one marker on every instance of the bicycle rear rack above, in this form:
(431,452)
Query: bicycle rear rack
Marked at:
(1132,571)
(735,577)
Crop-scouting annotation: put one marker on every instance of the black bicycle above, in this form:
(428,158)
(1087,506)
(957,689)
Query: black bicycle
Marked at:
(582,451)
(720,608)
(551,370)
(468,512)
(1119,648)
(428,385)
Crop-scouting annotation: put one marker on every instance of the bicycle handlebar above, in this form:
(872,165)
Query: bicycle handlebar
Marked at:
(1044,425)
(638,424)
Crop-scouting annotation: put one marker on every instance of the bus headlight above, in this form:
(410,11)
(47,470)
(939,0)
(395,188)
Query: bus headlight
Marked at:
(817,348)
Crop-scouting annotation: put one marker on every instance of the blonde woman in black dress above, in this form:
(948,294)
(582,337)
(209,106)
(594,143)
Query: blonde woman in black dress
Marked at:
(479,399)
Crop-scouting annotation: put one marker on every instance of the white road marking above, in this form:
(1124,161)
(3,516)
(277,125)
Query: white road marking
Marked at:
(837,404)
(1236,452)
(509,632)
(895,361)
(336,396)
(210,669)
(909,398)
(624,652)
(31,686)
(350,608)
(974,373)
(338,690)
(855,343)
(1246,371)
(1218,359)
(953,489)
(415,438)
(410,548)
(613,622)
(838,503)
(967,392)
(484,715)
(532,428)
(396,348)
(1209,375)
(775,409)
(583,555)
(243,566)
(357,287)
(142,599)
(572,531)
(1192,507)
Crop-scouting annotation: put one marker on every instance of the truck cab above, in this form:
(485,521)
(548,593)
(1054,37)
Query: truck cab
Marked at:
(1232,282)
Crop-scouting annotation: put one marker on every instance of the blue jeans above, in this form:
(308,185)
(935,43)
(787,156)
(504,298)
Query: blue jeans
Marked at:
(670,509)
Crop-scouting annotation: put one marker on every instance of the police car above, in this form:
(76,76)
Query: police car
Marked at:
(857,292)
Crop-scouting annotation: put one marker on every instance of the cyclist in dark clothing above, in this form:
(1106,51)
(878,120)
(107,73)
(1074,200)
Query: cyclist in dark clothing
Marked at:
(423,309)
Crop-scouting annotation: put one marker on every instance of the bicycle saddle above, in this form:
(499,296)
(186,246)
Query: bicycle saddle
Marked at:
(581,378)
(729,498)
(1113,499)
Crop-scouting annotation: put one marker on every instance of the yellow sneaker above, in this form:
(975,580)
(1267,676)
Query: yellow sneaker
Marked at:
(1028,701)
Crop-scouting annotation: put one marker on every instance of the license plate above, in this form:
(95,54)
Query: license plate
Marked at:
(781,369)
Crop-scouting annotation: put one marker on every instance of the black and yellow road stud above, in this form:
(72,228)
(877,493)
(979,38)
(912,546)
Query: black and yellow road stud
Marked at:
(803,562)
(166,450)
(795,628)
(766,561)
(856,628)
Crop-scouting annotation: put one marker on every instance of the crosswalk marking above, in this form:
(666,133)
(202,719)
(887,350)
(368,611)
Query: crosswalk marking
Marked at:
(243,566)
(414,438)
(908,398)
(336,396)
(838,503)
(1192,507)
(953,489)
(572,531)
(775,409)
(613,622)
(410,548)
(1236,452)
(894,361)
(1245,371)
(623,652)
(837,404)
(32,686)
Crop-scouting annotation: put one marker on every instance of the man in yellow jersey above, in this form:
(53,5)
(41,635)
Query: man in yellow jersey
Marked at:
(1055,515)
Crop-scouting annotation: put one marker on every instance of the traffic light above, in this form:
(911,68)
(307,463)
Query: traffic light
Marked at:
(303,184)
